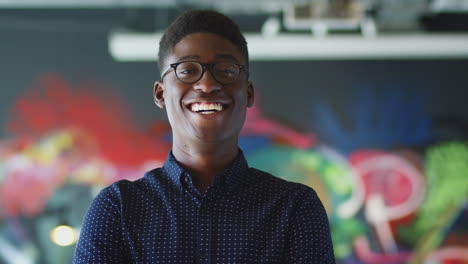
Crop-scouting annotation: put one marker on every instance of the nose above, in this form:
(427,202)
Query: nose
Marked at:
(207,83)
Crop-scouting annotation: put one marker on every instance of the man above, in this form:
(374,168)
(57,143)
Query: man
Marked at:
(205,205)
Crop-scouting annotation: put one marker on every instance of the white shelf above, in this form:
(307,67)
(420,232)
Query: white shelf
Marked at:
(40,4)
(124,46)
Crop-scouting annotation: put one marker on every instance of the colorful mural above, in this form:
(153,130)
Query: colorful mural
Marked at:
(393,194)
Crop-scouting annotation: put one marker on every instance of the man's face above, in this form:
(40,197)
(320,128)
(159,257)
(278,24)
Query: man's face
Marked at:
(184,101)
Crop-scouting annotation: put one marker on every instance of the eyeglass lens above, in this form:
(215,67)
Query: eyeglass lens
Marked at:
(191,72)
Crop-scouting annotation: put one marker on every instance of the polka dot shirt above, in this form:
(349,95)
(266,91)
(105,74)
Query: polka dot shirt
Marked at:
(245,216)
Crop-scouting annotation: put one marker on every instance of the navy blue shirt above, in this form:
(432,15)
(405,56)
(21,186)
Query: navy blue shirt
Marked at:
(245,216)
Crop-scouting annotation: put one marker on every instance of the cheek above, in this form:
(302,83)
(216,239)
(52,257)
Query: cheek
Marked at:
(242,100)
(173,96)
(173,106)
(241,108)
(176,117)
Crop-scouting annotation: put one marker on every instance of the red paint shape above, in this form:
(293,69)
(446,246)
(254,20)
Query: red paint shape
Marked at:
(26,190)
(52,105)
(366,255)
(392,184)
(257,124)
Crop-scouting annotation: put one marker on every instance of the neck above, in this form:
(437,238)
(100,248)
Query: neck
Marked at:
(204,161)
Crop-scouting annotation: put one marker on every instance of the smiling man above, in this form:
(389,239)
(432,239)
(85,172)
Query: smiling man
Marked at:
(205,205)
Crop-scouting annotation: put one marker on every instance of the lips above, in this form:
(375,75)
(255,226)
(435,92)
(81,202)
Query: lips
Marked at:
(206,107)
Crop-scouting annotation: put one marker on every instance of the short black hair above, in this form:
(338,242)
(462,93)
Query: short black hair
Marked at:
(200,21)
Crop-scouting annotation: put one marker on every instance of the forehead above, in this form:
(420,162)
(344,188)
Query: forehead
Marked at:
(205,47)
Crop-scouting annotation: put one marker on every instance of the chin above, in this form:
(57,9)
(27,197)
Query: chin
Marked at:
(212,136)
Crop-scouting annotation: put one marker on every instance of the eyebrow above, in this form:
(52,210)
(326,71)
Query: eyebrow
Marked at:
(188,57)
(219,56)
(226,56)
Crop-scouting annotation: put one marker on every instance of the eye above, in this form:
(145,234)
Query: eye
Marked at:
(188,68)
(227,70)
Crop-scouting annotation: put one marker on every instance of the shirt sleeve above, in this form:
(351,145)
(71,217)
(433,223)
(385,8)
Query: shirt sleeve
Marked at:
(309,238)
(101,233)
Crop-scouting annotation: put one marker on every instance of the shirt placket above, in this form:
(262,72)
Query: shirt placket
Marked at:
(205,228)
(204,217)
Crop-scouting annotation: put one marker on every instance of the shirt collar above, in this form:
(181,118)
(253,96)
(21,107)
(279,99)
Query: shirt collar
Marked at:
(231,177)
(173,170)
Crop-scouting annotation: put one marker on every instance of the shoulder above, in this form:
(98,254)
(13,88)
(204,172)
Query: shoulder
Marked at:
(124,189)
(273,184)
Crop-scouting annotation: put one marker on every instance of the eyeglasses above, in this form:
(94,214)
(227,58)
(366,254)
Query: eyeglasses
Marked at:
(192,71)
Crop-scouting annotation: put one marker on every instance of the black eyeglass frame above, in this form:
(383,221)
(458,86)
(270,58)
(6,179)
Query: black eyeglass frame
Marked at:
(204,66)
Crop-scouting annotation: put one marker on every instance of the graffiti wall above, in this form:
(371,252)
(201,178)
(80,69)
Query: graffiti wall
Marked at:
(394,192)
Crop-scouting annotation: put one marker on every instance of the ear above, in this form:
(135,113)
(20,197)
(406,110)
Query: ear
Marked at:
(250,94)
(158,94)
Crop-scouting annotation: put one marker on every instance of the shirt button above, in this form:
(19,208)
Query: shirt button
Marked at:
(187,179)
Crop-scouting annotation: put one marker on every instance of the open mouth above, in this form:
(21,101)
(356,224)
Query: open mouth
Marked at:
(207,108)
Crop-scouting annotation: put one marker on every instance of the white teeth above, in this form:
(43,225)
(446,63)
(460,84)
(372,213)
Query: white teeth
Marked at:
(196,107)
